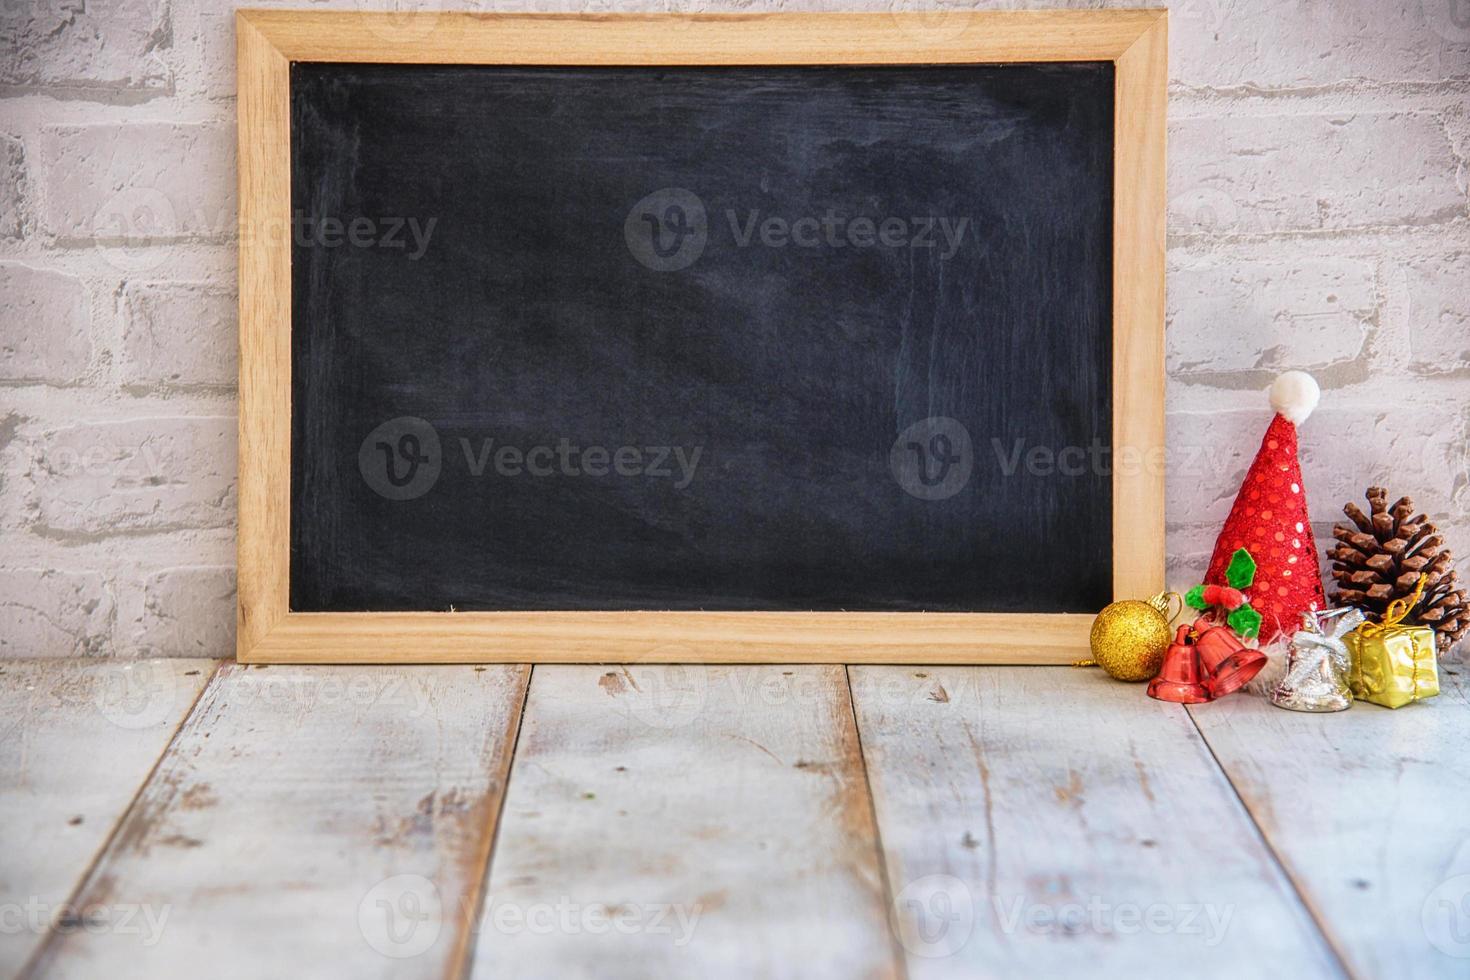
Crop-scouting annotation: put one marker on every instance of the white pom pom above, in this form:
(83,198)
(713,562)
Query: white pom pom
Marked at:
(1294,395)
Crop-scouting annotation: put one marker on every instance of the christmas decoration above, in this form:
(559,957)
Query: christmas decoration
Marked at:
(1232,603)
(1393,663)
(1205,661)
(1269,518)
(1227,663)
(1317,671)
(1379,558)
(1179,677)
(1129,637)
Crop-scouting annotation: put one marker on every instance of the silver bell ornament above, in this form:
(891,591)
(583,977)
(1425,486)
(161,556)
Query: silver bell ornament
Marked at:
(1317,663)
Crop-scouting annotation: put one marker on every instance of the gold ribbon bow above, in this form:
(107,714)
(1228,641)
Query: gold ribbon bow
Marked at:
(1397,611)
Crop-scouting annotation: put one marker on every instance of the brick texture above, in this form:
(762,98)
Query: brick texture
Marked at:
(12,187)
(46,613)
(1289,44)
(150,474)
(50,45)
(140,184)
(1319,166)
(1251,320)
(1438,317)
(187,612)
(179,334)
(43,325)
(1283,173)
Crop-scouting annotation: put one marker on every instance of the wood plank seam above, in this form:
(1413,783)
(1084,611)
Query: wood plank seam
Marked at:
(1024,840)
(1318,919)
(74,896)
(462,961)
(719,798)
(899,959)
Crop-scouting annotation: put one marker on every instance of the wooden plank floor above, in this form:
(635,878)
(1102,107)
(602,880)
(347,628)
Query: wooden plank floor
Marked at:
(79,739)
(184,818)
(1046,821)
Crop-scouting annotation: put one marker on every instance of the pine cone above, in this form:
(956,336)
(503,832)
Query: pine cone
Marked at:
(1379,558)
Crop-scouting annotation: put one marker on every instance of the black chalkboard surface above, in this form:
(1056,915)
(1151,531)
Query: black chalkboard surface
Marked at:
(774,338)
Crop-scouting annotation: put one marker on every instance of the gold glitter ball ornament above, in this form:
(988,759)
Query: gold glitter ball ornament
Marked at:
(1129,637)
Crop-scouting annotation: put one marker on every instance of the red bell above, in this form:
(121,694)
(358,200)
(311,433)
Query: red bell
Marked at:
(1179,677)
(1228,664)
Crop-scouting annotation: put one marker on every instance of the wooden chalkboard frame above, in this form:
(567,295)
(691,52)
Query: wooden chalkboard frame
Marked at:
(268,41)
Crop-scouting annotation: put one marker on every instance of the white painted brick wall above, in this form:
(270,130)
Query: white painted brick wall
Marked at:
(1319,167)
(142,475)
(1317,315)
(45,335)
(1438,317)
(45,611)
(109,50)
(162,323)
(12,187)
(139,184)
(185,612)
(1294,44)
(1308,172)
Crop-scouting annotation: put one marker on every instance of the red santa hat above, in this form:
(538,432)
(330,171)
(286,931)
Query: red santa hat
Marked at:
(1270,518)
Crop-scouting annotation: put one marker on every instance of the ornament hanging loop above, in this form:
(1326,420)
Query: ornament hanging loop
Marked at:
(1169,604)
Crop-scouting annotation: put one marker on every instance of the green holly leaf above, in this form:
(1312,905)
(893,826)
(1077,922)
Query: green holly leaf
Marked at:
(1195,598)
(1242,570)
(1245,620)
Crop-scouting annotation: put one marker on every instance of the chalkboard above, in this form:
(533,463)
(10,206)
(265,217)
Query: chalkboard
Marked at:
(701,338)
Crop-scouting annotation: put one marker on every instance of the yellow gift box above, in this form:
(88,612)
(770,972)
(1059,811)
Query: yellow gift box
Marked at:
(1393,663)
(1394,666)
